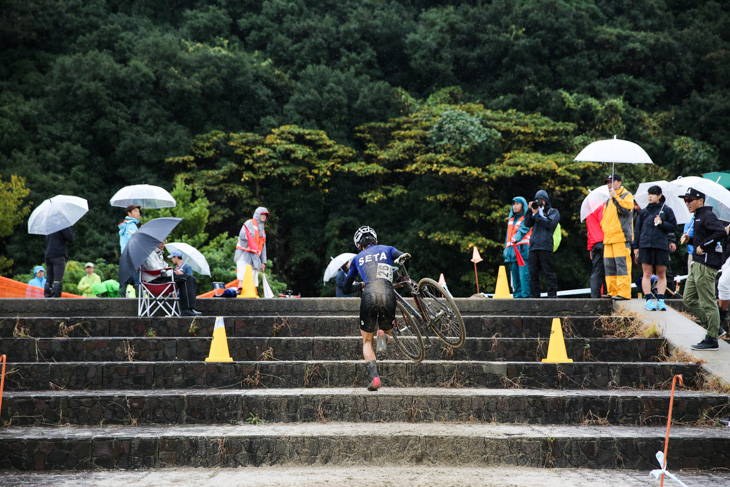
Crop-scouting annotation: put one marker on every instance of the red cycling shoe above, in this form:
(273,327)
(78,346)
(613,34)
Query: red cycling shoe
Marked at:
(374,385)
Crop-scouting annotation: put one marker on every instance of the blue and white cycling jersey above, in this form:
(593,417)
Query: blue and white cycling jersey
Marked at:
(375,262)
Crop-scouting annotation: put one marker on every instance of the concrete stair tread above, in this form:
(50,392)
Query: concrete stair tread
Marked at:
(362,392)
(390,429)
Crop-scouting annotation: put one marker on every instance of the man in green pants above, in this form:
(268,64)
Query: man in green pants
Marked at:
(700,291)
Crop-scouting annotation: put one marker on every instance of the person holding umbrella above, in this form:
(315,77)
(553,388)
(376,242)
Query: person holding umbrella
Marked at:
(126,230)
(700,292)
(182,268)
(56,255)
(185,283)
(651,245)
(618,232)
(340,278)
(517,248)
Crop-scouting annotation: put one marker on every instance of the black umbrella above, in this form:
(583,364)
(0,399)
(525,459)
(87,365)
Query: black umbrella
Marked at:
(143,243)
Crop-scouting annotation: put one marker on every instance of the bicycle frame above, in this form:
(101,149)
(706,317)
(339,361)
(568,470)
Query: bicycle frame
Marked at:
(406,281)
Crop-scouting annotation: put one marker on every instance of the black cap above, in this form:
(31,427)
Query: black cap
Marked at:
(612,177)
(693,194)
(657,190)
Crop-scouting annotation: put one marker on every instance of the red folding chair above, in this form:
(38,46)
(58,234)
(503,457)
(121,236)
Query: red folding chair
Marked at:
(159,296)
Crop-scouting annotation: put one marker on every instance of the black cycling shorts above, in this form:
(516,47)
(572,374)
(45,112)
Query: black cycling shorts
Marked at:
(653,256)
(377,306)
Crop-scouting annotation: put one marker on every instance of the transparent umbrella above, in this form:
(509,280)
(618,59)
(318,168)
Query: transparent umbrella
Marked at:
(143,195)
(594,200)
(56,213)
(614,151)
(192,256)
(671,195)
(335,264)
(716,195)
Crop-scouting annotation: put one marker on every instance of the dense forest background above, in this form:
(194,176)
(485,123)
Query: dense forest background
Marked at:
(420,118)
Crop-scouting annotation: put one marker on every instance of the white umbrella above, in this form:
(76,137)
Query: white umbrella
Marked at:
(192,256)
(672,194)
(594,200)
(335,264)
(143,195)
(614,151)
(57,213)
(716,195)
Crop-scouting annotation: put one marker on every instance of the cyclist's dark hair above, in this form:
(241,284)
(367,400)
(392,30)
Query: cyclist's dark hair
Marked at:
(365,236)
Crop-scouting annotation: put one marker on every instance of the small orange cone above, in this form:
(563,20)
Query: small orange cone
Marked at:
(442,281)
(502,290)
(249,289)
(219,346)
(556,348)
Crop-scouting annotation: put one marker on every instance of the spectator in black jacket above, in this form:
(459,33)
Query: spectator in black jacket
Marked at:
(543,219)
(700,293)
(651,245)
(56,255)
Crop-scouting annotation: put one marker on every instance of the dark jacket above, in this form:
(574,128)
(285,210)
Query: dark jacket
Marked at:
(56,243)
(649,236)
(543,227)
(708,232)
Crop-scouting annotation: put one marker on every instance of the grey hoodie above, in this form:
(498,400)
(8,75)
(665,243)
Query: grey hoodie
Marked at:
(543,226)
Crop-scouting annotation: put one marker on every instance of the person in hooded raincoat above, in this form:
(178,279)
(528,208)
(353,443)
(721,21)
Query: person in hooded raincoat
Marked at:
(251,247)
(38,281)
(518,240)
(543,219)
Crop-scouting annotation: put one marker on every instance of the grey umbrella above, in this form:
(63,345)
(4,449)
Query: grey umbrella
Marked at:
(143,243)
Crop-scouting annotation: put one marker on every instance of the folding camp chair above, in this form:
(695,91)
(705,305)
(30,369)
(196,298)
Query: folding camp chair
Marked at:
(159,296)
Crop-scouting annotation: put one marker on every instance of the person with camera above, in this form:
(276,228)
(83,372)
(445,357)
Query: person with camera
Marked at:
(651,245)
(618,233)
(543,219)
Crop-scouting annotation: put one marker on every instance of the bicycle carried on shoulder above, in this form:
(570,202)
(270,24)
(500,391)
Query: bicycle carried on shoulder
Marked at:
(434,309)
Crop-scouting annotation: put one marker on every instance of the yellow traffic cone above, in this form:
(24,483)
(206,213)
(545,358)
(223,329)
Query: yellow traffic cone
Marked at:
(219,346)
(556,347)
(248,289)
(502,291)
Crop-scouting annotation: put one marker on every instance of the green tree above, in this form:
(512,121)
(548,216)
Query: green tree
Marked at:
(13,210)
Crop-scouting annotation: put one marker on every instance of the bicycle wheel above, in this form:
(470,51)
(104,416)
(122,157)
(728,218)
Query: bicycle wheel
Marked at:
(441,312)
(406,334)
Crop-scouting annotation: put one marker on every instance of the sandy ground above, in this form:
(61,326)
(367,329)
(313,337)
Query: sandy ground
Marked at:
(311,476)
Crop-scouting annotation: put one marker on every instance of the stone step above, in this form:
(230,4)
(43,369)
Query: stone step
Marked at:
(307,348)
(275,374)
(445,444)
(515,326)
(389,404)
(122,307)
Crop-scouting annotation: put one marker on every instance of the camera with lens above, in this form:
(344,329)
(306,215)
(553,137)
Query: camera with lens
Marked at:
(536,204)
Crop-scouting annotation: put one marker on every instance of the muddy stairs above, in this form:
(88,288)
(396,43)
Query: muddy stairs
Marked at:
(91,386)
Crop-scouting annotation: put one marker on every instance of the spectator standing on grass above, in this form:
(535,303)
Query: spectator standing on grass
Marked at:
(86,284)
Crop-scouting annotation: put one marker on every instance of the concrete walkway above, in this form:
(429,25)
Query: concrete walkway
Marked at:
(392,476)
(682,333)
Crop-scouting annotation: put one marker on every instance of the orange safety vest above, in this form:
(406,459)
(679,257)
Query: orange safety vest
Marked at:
(255,243)
(512,227)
